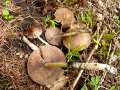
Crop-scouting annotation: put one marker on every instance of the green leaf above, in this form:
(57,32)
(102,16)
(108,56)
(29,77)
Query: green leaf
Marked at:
(98,43)
(5,12)
(108,36)
(5,17)
(117,52)
(7,2)
(115,17)
(84,87)
(113,88)
(53,23)
(95,81)
(86,17)
(49,22)
(10,17)
(73,55)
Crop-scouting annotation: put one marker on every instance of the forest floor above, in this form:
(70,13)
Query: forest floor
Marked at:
(101,17)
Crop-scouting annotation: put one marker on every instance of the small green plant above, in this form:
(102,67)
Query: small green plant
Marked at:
(113,88)
(104,44)
(6,15)
(103,49)
(116,19)
(117,52)
(84,87)
(5,12)
(73,55)
(49,22)
(6,2)
(93,83)
(86,17)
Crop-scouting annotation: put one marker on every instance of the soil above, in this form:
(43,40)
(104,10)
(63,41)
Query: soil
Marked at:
(14,52)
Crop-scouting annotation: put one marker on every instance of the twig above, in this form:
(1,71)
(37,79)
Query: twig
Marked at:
(104,87)
(87,66)
(31,45)
(110,47)
(88,59)
(96,66)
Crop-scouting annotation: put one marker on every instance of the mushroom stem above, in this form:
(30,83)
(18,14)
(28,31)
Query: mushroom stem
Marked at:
(42,40)
(31,45)
(56,64)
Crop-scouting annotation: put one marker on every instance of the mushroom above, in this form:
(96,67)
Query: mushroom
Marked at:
(54,35)
(52,77)
(32,28)
(79,41)
(56,55)
(65,16)
(51,36)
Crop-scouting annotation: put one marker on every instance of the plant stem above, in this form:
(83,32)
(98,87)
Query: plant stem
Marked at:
(43,41)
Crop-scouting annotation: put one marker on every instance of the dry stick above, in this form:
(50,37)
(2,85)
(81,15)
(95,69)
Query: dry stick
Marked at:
(88,66)
(31,45)
(88,59)
(110,47)
(96,66)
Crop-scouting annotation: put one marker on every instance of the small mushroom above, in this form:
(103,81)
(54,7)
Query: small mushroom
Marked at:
(56,55)
(39,72)
(32,29)
(54,35)
(65,16)
(51,36)
(78,42)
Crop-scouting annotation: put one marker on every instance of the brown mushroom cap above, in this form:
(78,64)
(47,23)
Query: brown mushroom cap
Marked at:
(37,69)
(33,66)
(65,16)
(32,28)
(77,42)
(51,36)
(35,32)
(52,54)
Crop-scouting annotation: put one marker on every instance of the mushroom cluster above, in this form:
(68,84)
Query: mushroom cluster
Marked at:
(39,65)
(52,77)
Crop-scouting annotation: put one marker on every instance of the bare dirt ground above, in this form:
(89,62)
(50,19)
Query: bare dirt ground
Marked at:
(14,52)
